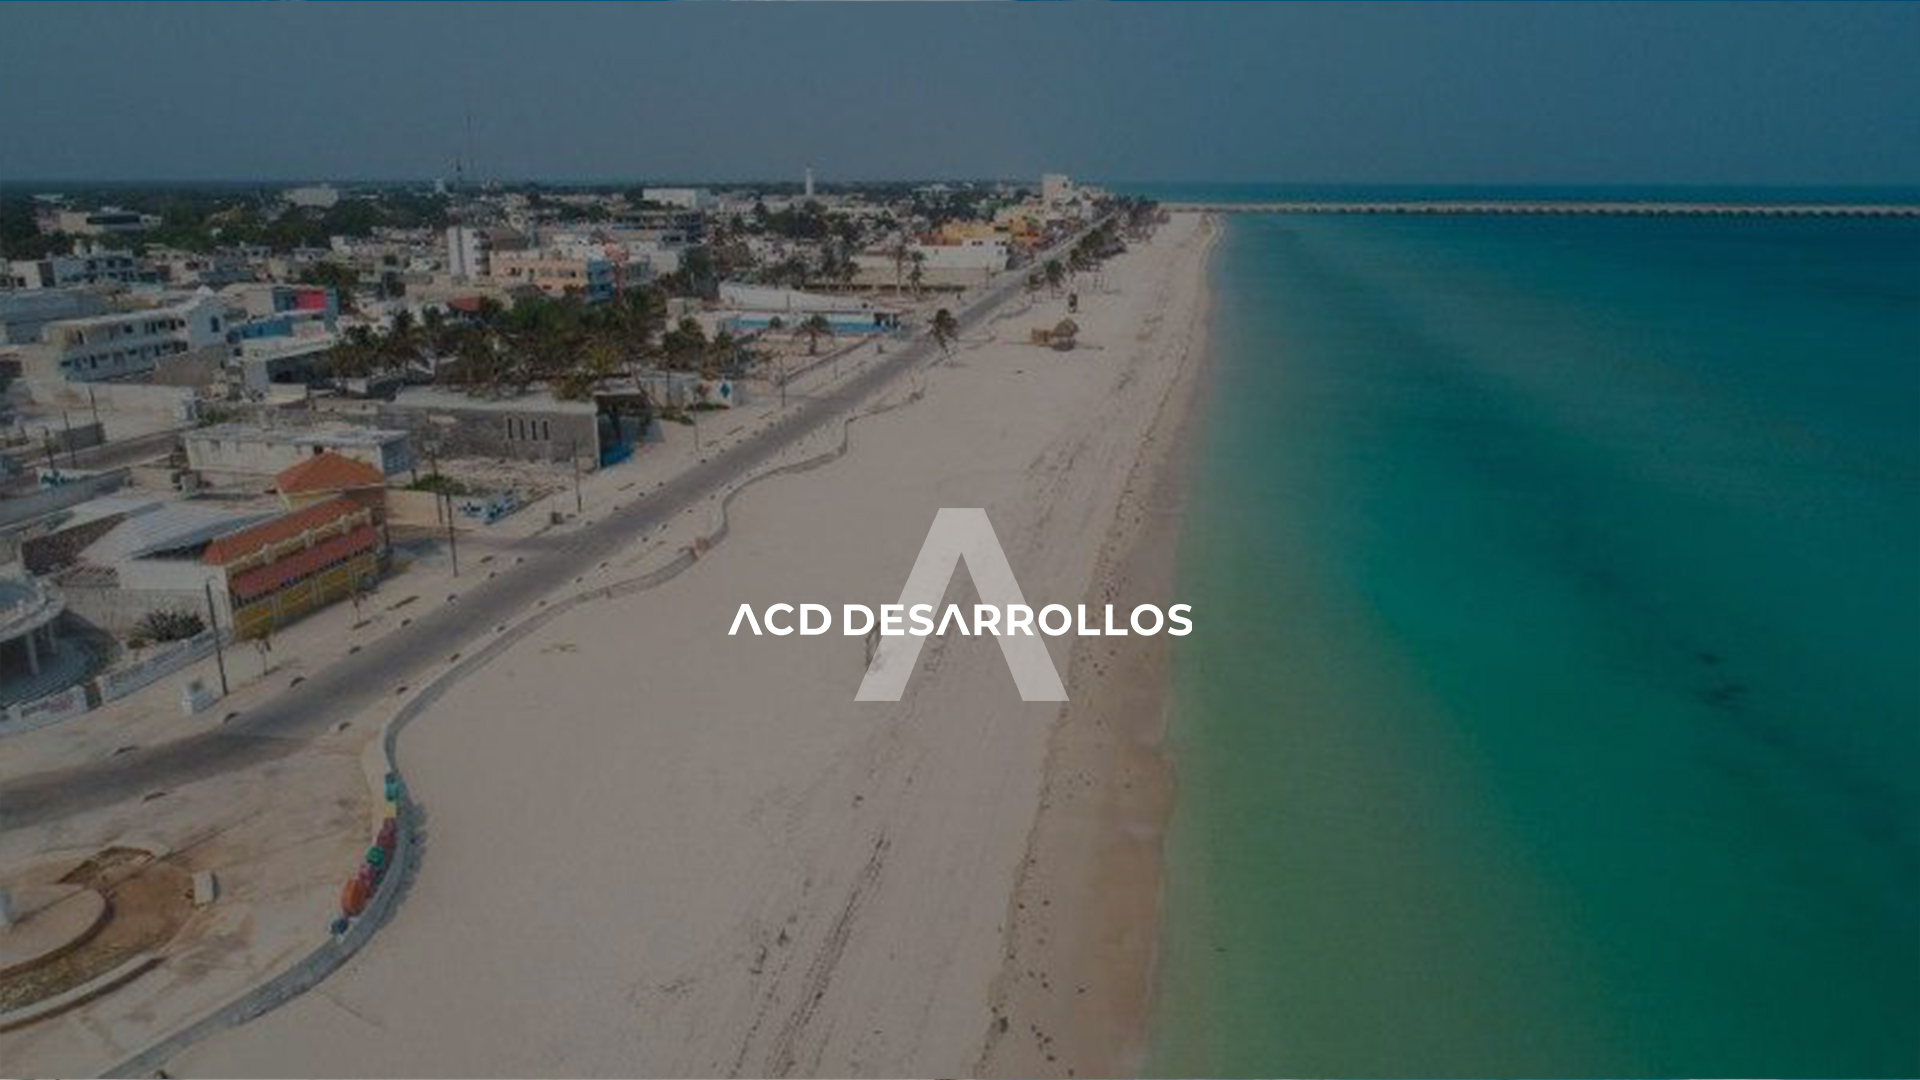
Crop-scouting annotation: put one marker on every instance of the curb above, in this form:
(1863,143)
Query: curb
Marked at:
(327,958)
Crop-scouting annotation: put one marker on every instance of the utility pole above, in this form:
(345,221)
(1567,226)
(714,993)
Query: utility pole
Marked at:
(213,623)
(453,542)
(73,456)
(573,451)
(95,406)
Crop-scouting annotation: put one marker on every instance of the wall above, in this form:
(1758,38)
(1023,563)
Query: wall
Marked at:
(221,452)
(423,508)
(119,683)
(42,711)
(176,402)
(513,434)
(118,610)
(17,508)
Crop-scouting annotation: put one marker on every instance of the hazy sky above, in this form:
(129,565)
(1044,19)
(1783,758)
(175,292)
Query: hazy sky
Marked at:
(1559,92)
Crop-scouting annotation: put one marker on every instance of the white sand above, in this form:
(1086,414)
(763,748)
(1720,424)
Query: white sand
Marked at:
(652,849)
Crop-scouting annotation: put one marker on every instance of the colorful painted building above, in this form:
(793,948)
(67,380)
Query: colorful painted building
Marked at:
(299,562)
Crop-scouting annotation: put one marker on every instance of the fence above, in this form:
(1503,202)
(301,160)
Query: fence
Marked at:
(42,711)
(118,684)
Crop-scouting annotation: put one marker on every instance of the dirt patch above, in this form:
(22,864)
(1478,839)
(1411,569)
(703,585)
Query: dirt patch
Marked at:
(148,900)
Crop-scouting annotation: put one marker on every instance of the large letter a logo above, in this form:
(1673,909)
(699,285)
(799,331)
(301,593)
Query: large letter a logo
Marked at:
(962,534)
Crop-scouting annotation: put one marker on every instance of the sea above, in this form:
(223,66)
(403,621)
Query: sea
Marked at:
(1553,706)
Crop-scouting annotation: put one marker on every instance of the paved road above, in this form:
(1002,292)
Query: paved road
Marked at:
(283,724)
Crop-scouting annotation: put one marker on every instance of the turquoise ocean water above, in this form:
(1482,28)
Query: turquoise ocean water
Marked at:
(1554,702)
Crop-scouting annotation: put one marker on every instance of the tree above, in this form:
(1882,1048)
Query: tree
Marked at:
(401,346)
(900,253)
(945,330)
(723,353)
(685,346)
(1056,274)
(599,361)
(641,314)
(815,328)
(356,355)
(918,272)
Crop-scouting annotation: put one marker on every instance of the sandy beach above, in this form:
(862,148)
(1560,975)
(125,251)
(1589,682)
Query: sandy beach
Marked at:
(654,849)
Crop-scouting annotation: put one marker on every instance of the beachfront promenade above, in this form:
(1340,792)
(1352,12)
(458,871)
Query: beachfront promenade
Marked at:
(1556,208)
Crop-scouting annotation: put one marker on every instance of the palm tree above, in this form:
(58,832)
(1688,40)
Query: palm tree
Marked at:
(1056,274)
(918,272)
(945,329)
(401,346)
(900,253)
(815,327)
(356,355)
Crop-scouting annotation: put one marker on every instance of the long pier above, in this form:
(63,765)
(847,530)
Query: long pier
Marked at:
(1556,208)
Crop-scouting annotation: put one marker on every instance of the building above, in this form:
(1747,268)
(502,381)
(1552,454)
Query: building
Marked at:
(470,249)
(329,476)
(292,362)
(279,570)
(237,453)
(1056,188)
(33,659)
(24,314)
(114,346)
(262,299)
(748,308)
(102,222)
(188,269)
(312,196)
(556,274)
(150,561)
(531,427)
(95,266)
(685,198)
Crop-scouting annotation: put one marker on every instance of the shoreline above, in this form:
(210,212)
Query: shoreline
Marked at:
(1076,990)
(817,886)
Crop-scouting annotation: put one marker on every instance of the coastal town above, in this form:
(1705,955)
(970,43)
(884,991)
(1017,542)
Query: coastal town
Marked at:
(444,360)
(284,465)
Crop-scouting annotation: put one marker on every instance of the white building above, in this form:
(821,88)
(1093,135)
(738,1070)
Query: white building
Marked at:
(225,453)
(685,198)
(1056,188)
(101,222)
(312,196)
(102,347)
(23,315)
(470,249)
(95,266)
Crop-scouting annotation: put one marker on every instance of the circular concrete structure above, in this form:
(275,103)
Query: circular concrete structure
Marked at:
(47,920)
(34,662)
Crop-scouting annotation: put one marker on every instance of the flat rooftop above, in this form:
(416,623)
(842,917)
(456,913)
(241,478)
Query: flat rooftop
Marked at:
(323,435)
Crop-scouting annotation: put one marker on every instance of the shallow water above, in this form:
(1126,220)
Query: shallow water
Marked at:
(1551,707)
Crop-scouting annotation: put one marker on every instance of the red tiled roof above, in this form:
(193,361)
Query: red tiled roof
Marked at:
(285,527)
(328,472)
(265,579)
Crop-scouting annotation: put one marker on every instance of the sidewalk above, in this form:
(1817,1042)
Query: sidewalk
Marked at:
(423,580)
